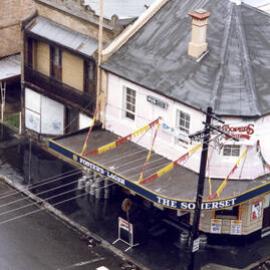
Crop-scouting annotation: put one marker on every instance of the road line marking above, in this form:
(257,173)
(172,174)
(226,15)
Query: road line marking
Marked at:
(82,263)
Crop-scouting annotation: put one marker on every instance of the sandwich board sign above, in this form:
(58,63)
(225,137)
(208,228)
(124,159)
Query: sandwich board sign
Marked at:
(125,233)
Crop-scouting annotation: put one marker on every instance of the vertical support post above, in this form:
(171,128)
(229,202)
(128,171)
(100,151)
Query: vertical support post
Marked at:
(200,188)
(100,47)
(3,98)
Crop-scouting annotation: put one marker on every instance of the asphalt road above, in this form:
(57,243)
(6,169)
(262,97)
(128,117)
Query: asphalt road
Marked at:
(42,242)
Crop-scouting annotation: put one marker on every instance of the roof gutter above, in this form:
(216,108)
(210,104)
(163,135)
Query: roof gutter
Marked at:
(132,29)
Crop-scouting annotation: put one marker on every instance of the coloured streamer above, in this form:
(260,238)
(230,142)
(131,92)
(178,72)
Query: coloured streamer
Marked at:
(88,135)
(122,140)
(264,162)
(171,165)
(149,154)
(225,181)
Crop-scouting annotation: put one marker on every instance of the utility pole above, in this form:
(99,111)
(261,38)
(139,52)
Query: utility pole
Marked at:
(194,237)
(206,132)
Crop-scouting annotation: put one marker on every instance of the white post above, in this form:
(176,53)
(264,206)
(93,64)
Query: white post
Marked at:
(20,123)
(3,98)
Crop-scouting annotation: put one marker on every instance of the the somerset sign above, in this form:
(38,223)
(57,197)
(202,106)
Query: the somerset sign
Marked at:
(192,205)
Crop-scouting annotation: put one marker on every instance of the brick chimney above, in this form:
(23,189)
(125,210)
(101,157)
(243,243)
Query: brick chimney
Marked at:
(198,45)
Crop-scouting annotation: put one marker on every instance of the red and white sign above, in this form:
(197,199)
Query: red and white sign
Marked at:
(239,132)
(125,225)
(256,210)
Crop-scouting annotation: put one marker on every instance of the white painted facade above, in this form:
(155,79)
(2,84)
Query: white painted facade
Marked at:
(167,143)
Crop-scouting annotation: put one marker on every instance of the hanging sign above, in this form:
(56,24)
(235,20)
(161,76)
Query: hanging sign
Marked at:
(157,102)
(239,132)
(216,225)
(256,210)
(236,227)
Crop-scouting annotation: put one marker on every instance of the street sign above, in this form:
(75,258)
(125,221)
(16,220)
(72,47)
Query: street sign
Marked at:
(196,245)
(125,233)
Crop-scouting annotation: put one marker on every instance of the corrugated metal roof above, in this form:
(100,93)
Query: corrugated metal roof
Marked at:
(62,35)
(123,9)
(10,67)
(233,77)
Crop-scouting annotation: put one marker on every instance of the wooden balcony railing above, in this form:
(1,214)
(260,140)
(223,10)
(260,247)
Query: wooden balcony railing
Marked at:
(62,92)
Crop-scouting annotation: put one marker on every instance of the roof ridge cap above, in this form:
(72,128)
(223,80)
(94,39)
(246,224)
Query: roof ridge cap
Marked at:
(219,77)
(247,67)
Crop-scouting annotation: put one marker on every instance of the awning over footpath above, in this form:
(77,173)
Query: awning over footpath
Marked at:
(10,67)
(62,35)
(175,190)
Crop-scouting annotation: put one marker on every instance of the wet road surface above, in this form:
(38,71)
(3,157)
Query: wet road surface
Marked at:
(27,164)
(41,242)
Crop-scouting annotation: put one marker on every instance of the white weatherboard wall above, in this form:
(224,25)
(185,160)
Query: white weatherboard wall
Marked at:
(43,115)
(167,144)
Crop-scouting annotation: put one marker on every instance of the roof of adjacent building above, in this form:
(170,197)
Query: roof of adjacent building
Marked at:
(122,9)
(10,67)
(233,77)
(257,3)
(62,35)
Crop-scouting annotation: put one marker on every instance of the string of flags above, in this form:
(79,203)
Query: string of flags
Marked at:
(122,140)
(171,165)
(266,165)
(149,153)
(225,181)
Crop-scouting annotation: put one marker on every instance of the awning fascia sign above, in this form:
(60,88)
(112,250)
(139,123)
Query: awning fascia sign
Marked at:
(152,196)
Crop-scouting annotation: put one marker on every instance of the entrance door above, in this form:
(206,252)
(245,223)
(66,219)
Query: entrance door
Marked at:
(72,120)
(266,217)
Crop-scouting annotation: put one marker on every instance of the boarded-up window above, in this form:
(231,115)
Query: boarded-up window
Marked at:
(43,58)
(72,70)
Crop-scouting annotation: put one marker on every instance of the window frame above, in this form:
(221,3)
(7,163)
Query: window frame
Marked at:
(232,151)
(128,113)
(184,129)
(232,213)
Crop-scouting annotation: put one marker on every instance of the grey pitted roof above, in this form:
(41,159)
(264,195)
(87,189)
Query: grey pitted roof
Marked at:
(234,77)
(62,35)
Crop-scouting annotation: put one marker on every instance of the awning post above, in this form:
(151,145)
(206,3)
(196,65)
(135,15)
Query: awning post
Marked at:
(3,86)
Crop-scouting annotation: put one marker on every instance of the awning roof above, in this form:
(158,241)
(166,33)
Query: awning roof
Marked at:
(10,67)
(62,35)
(178,187)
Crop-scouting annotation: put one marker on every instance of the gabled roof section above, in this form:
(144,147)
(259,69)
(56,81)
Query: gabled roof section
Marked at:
(62,35)
(233,77)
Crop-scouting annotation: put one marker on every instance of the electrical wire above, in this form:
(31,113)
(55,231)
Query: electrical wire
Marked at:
(40,193)
(40,209)
(58,177)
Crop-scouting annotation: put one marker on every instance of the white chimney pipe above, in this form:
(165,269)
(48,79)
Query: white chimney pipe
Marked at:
(198,45)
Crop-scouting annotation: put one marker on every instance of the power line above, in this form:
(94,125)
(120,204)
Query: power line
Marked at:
(59,177)
(41,209)
(39,193)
